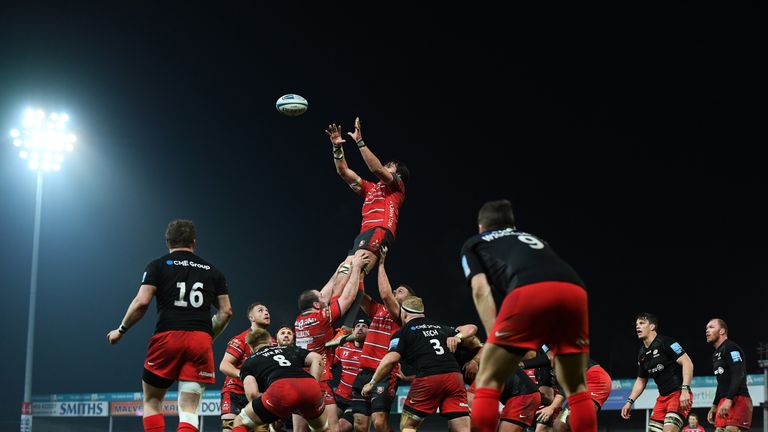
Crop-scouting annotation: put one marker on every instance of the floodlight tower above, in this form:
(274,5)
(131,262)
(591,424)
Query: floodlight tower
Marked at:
(42,140)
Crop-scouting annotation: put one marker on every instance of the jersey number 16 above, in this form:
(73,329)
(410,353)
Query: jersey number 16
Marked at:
(195,296)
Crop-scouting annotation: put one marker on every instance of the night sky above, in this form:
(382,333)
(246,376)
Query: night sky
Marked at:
(628,139)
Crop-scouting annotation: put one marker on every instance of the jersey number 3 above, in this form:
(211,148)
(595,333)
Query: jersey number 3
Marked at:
(195,296)
(436,345)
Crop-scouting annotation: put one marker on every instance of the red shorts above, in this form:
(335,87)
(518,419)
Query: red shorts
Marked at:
(669,404)
(445,391)
(740,414)
(328,398)
(521,409)
(288,395)
(599,384)
(552,313)
(181,355)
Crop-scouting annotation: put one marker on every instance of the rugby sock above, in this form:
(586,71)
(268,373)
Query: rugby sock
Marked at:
(485,410)
(154,423)
(186,427)
(240,428)
(583,416)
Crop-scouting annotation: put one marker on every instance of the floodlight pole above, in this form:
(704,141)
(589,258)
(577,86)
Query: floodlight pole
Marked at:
(26,413)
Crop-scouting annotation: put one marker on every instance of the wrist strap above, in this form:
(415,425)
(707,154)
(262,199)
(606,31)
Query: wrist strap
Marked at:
(630,401)
(338,152)
(122,329)
(361,144)
(685,387)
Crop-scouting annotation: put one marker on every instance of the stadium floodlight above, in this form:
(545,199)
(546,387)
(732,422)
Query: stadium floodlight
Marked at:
(42,140)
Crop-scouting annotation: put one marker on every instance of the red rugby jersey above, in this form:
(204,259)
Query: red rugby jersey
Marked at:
(314,328)
(376,345)
(348,356)
(381,207)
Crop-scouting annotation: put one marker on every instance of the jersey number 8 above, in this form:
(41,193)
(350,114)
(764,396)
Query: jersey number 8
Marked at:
(195,296)
(281,360)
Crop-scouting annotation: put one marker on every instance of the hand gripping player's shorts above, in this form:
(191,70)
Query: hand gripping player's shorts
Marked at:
(669,404)
(740,414)
(551,313)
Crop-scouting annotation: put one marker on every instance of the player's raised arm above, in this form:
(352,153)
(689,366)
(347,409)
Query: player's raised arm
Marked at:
(350,289)
(346,174)
(135,312)
(373,163)
(385,290)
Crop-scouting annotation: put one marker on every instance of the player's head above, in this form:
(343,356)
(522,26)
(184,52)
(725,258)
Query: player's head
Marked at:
(259,314)
(717,330)
(396,166)
(411,307)
(646,324)
(495,215)
(693,420)
(310,299)
(361,330)
(285,336)
(403,291)
(257,338)
(180,234)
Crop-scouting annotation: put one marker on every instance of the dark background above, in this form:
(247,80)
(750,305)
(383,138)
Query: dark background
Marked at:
(627,138)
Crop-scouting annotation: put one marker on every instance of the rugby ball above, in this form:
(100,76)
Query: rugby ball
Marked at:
(292,105)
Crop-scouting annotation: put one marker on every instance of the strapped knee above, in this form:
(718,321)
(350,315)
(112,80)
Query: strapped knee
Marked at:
(655,426)
(246,420)
(675,419)
(190,387)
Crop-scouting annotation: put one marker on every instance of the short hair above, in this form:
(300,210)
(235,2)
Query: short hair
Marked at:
(496,214)
(401,169)
(180,233)
(411,291)
(721,323)
(258,337)
(306,299)
(693,414)
(647,316)
(413,305)
(253,305)
(285,328)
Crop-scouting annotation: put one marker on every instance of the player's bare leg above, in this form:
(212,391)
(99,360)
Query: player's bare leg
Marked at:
(319,424)
(380,421)
(496,365)
(299,424)
(332,415)
(227,422)
(460,424)
(247,420)
(506,426)
(153,407)
(362,422)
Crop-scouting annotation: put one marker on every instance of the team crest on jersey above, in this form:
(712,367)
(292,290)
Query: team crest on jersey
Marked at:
(676,348)
(362,243)
(735,356)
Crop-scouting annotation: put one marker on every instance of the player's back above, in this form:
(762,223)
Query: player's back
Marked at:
(187,286)
(422,343)
(270,364)
(511,258)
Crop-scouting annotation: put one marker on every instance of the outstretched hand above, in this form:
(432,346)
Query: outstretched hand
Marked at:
(334,133)
(114,336)
(357,135)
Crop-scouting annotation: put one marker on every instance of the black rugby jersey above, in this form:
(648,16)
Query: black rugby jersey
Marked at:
(187,286)
(517,385)
(422,344)
(731,374)
(659,361)
(270,364)
(511,258)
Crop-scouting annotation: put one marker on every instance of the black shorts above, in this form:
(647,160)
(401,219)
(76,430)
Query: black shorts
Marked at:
(345,405)
(373,240)
(382,395)
(232,403)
